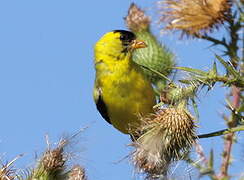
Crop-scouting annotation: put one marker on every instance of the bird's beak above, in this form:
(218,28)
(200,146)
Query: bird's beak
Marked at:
(136,44)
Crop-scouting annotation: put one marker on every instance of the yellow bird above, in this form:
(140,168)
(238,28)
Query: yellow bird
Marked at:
(121,91)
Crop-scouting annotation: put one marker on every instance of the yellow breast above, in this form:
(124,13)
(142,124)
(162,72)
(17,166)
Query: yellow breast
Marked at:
(124,90)
(126,93)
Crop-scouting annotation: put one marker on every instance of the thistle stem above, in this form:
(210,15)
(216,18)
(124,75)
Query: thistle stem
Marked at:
(215,41)
(232,49)
(222,132)
(227,80)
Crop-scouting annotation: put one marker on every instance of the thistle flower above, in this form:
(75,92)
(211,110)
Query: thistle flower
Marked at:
(168,135)
(194,17)
(77,173)
(156,56)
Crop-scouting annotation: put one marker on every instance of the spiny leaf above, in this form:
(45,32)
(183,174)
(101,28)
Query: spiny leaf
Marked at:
(228,66)
(224,40)
(194,71)
(213,72)
(205,171)
(158,105)
(185,81)
(203,81)
(194,104)
(241,108)
(211,159)
(154,71)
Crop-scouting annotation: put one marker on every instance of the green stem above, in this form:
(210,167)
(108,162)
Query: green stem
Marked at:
(237,82)
(232,52)
(222,132)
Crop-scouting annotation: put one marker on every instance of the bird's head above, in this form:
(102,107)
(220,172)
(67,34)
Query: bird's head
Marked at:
(118,43)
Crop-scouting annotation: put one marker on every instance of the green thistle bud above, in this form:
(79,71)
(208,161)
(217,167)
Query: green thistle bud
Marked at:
(156,56)
(174,94)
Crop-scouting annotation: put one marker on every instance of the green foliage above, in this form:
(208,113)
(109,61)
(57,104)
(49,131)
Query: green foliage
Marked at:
(156,56)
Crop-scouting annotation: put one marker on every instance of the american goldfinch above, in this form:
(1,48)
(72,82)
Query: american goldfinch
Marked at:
(121,91)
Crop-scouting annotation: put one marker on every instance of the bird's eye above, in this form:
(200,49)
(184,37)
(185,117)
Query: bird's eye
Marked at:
(123,37)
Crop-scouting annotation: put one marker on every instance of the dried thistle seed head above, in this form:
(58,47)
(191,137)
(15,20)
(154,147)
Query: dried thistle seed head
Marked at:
(77,173)
(150,156)
(178,124)
(7,173)
(168,135)
(53,159)
(194,18)
(136,19)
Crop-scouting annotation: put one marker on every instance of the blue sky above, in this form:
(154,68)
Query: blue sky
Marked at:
(47,75)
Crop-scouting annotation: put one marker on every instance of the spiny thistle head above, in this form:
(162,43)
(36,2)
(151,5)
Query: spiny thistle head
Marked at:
(136,19)
(52,163)
(156,56)
(167,136)
(77,173)
(194,17)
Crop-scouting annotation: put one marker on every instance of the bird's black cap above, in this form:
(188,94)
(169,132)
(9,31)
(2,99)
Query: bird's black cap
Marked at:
(126,36)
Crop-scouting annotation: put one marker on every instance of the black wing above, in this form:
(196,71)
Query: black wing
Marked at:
(101,107)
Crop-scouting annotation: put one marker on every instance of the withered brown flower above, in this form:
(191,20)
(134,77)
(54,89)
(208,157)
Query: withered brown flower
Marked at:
(194,17)
(7,173)
(167,136)
(77,173)
(53,159)
(136,19)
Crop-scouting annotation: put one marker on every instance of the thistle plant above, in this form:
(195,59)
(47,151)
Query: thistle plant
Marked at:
(168,135)
(51,165)
(194,18)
